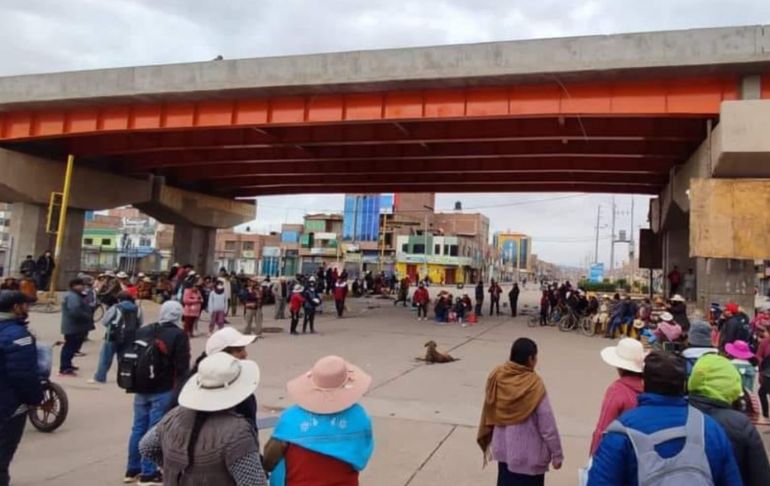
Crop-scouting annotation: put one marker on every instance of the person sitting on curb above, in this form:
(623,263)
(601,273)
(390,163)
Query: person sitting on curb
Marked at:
(714,385)
(326,438)
(664,441)
(205,440)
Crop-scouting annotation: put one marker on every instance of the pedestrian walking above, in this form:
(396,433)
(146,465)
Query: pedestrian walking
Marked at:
(44,267)
(192,300)
(479,298)
(217,307)
(663,441)
(311,300)
(156,373)
(421,298)
(295,306)
(403,291)
(120,322)
(513,298)
(235,292)
(19,376)
(627,358)
(518,428)
(77,320)
(253,308)
(281,292)
(714,386)
(205,440)
(495,291)
(544,308)
(340,441)
(340,293)
(28,267)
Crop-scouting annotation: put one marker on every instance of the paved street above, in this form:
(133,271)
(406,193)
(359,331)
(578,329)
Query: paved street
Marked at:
(425,415)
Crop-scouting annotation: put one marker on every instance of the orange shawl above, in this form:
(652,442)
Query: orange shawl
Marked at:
(513,393)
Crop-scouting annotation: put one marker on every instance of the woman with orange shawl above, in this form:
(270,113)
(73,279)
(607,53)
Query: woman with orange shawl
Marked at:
(518,429)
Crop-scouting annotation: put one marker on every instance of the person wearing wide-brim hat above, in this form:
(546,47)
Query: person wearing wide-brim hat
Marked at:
(326,438)
(204,440)
(627,357)
(668,329)
(678,309)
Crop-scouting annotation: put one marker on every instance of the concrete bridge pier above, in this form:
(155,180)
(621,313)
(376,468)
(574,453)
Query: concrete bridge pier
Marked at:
(195,245)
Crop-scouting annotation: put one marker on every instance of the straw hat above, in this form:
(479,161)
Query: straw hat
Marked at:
(666,317)
(331,386)
(227,337)
(122,275)
(222,382)
(627,355)
(677,298)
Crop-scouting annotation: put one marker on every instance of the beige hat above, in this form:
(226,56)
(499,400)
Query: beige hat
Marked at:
(677,298)
(122,275)
(331,386)
(666,317)
(627,355)
(227,337)
(222,382)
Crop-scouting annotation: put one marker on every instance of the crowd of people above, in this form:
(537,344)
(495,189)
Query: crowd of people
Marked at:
(681,410)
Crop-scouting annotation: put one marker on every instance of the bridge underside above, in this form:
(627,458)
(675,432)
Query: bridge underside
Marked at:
(619,137)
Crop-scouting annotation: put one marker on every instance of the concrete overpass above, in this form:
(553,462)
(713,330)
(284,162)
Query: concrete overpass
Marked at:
(622,113)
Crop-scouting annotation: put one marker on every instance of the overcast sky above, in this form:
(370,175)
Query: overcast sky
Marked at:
(54,35)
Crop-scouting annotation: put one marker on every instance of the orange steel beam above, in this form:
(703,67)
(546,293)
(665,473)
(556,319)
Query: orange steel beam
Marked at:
(377,134)
(418,166)
(455,187)
(670,97)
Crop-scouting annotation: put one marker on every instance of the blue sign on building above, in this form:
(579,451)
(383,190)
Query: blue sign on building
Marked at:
(596,273)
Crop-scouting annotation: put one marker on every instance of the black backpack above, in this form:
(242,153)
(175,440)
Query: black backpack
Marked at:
(123,328)
(145,365)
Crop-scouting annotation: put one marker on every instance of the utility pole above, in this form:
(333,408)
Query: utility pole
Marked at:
(632,246)
(612,241)
(596,245)
(425,238)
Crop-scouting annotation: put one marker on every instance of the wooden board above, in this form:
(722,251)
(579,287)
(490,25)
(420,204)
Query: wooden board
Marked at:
(730,218)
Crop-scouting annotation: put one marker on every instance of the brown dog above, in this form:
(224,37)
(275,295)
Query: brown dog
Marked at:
(433,355)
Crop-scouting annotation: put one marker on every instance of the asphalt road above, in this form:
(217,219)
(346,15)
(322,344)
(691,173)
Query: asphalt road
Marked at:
(425,416)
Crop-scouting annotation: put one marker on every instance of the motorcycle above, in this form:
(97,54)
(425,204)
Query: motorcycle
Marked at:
(52,411)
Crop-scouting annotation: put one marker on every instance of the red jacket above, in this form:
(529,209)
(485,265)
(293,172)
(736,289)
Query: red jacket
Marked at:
(421,296)
(620,396)
(296,301)
(340,291)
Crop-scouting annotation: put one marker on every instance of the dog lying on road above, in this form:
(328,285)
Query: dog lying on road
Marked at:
(433,355)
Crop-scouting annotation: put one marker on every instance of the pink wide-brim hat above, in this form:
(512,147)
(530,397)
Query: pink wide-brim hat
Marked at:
(331,386)
(739,349)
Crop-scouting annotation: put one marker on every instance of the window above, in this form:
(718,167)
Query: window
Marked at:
(419,249)
(405,248)
(88,241)
(453,250)
(437,249)
(106,241)
(145,242)
(248,246)
(229,245)
(7,222)
(446,249)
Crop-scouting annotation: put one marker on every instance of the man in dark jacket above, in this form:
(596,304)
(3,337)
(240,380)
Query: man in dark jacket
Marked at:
(44,268)
(513,297)
(28,267)
(479,297)
(736,326)
(19,380)
(663,406)
(714,385)
(77,319)
(494,295)
(150,405)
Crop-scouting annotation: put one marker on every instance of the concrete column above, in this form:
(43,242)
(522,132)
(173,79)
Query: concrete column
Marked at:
(722,280)
(72,248)
(195,245)
(28,234)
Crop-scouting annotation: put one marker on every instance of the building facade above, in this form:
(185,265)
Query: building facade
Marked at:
(514,251)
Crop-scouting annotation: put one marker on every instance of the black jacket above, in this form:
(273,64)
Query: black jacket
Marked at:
(178,346)
(747,444)
(736,328)
(679,311)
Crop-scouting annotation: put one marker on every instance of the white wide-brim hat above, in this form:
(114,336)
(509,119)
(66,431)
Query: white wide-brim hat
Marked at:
(227,337)
(222,382)
(677,298)
(627,355)
(331,386)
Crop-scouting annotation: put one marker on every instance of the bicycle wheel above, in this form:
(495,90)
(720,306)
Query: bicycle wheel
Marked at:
(51,413)
(533,321)
(587,326)
(98,312)
(565,324)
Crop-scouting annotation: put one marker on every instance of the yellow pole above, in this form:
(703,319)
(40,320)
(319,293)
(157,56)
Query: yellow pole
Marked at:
(65,199)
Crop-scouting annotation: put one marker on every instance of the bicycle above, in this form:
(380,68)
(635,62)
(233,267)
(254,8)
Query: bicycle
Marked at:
(570,321)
